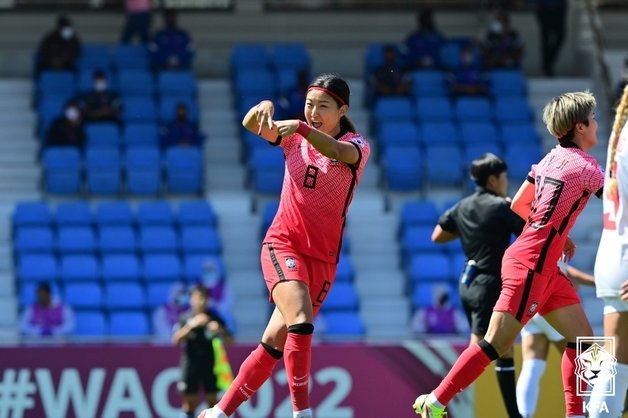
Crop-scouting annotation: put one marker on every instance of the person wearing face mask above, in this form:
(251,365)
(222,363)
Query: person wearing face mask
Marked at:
(221,297)
(166,315)
(390,78)
(67,130)
(181,131)
(100,104)
(171,47)
(502,46)
(60,48)
(468,79)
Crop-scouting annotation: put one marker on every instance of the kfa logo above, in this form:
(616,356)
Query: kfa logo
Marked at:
(596,367)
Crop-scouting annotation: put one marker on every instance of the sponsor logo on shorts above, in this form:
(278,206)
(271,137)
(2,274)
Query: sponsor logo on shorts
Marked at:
(291,263)
(533,307)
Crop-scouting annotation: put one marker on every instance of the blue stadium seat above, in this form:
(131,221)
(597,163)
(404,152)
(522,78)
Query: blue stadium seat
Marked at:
(418,212)
(75,268)
(136,83)
(343,325)
(433,267)
(424,294)
(434,109)
(268,215)
(259,82)
(392,109)
(417,239)
(48,109)
(140,134)
(75,240)
(249,55)
(124,296)
(103,171)
(184,170)
(401,168)
(117,239)
(180,83)
(429,83)
(62,170)
(478,133)
(129,324)
(94,57)
(439,133)
(286,80)
(31,214)
(341,297)
(83,295)
(193,265)
(139,109)
(120,267)
(398,133)
(37,268)
(102,135)
(90,324)
(507,83)
(196,213)
(450,55)
(266,167)
(157,294)
(345,272)
(162,267)
(519,134)
(293,55)
(130,57)
(473,151)
(168,108)
(143,171)
(513,110)
(155,213)
(158,239)
(76,213)
(520,159)
(114,213)
(200,240)
(444,165)
(30,240)
(56,82)
(468,109)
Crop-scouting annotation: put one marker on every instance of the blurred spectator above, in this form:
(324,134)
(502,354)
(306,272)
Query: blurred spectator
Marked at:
(167,315)
(100,104)
(181,131)
(60,48)
(439,318)
(291,103)
(68,129)
(552,16)
(220,295)
(391,78)
(172,47)
(623,81)
(137,21)
(47,316)
(468,79)
(423,44)
(502,46)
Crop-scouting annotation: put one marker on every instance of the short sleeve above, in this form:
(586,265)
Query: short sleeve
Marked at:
(288,142)
(532,174)
(447,220)
(593,178)
(363,147)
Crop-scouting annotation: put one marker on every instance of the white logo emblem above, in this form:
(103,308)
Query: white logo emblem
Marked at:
(533,308)
(596,365)
(291,263)
(358,140)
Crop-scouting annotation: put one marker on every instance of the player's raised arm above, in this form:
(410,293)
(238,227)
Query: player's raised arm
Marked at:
(259,120)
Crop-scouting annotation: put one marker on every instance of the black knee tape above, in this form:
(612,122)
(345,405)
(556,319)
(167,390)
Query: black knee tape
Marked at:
(584,346)
(488,349)
(274,353)
(505,362)
(302,329)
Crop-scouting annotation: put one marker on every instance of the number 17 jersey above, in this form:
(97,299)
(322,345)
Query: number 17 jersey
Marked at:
(563,183)
(315,197)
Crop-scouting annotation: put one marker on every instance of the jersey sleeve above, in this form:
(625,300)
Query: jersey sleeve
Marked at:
(532,174)
(287,142)
(447,220)
(593,179)
(363,147)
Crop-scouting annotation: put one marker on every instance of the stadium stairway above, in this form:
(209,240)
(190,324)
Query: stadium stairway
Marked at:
(19,177)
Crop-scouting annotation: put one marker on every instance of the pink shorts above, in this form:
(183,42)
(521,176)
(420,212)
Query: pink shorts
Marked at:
(525,292)
(281,263)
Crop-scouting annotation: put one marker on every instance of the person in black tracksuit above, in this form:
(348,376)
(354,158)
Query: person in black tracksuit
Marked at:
(485,224)
(197,328)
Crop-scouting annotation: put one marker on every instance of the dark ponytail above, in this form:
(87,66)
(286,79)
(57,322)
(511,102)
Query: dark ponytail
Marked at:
(340,92)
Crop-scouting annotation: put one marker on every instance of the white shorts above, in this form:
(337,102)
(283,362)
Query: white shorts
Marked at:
(612,305)
(538,325)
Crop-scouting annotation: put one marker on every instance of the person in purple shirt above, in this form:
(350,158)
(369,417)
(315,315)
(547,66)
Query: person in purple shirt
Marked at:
(167,314)
(181,131)
(171,47)
(439,318)
(47,317)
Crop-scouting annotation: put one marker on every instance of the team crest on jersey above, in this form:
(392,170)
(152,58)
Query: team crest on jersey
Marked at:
(291,263)
(358,140)
(533,307)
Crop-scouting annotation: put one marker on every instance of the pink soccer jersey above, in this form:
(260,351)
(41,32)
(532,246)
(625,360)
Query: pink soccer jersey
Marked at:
(315,197)
(563,183)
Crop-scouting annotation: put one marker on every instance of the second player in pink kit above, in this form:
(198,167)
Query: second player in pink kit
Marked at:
(325,158)
(553,195)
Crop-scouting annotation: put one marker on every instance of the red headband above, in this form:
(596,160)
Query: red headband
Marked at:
(331,93)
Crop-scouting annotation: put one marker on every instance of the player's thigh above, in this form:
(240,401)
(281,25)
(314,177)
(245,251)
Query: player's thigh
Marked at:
(502,331)
(534,346)
(570,321)
(276,331)
(292,298)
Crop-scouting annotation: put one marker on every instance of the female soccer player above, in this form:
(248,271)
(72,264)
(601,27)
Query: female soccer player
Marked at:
(325,158)
(553,195)
(611,264)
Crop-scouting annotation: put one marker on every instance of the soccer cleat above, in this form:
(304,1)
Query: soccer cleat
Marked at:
(427,410)
(207,413)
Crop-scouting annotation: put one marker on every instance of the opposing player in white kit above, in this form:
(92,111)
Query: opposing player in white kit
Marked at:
(611,264)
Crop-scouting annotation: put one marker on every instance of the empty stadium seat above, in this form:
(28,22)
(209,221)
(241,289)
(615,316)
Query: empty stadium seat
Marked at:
(103,171)
(444,165)
(31,214)
(504,82)
(84,267)
(434,109)
(120,267)
(90,324)
(392,109)
(344,270)
(62,170)
(417,239)
(158,239)
(143,171)
(155,213)
(200,239)
(402,171)
(124,296)
(102,135)
(130,57)
(293,55)
(116,239)
(114,213)
(184,170)
(424,268)
(469,109)
(141,134)
(478,133)
(249,55)
(418,212)
(83,295)
(94,57)
(129,324)
(157,293)
(429,83)
(37,268)
(398,133)
(75,240)
(513,110)
(30,240)
(180,83)
(162,267)
(77,213)
(139,109)
(343,325)
(195,213)
(439,133)
(341,297)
